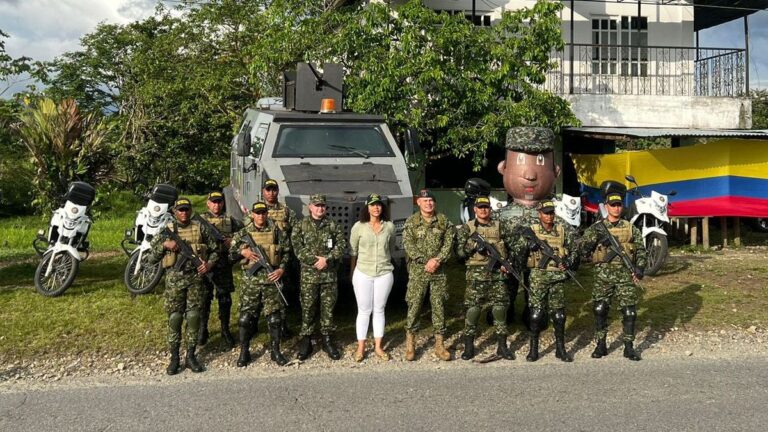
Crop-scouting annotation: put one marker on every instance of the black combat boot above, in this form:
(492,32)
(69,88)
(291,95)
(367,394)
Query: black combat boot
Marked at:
(174,366)
(305,348)
(330,348)
(535,320)
(191,360)
(601,323)
(503,350)
(558,321)
(469,347)
(247,327)
(274,336)
(630,315)
(225,308)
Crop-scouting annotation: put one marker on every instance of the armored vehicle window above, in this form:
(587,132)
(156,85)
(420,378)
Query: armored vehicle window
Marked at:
(333,141)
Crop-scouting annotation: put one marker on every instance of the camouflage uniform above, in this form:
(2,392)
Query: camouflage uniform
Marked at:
(222,284)
(485,287)
(614,279)
(312,238)
(423,240)
(183,292)
(257,293)
(285,219)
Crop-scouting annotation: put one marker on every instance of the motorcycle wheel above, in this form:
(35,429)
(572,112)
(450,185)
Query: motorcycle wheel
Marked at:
(146,279)
(62,275)
(657,249)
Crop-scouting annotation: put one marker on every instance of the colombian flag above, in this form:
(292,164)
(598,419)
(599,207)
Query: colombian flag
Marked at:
(721,178)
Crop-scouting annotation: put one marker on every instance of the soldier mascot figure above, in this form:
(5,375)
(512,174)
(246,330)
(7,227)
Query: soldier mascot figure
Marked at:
(529,173)
(259,290)
(183,284)
(222,283)
(617,246)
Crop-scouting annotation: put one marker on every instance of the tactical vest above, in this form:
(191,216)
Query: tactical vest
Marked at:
(492,233)
(624,235)
(193,236)
(222,223)
(268,241)
(279,215)
(555,239)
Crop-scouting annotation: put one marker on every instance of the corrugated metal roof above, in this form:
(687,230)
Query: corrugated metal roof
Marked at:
(667,133)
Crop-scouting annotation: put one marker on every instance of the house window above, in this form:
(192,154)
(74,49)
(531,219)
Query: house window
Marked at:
(621,48)
(481,20)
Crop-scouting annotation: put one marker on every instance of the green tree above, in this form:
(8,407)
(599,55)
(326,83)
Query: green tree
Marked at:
(66,145)
(759,109)
(459,85)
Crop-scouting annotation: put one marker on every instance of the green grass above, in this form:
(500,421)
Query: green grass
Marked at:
(97,314)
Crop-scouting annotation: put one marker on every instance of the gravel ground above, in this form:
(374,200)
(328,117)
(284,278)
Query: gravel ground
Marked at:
(147,368)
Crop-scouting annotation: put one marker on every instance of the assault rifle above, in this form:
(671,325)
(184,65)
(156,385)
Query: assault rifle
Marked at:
(548,253)
(262,262)
(494,258)
(615,249)
(185,252)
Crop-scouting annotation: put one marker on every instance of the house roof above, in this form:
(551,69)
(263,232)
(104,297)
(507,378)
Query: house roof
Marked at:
(709,13)
(618,132)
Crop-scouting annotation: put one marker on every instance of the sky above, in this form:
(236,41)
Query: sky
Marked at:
(44,29)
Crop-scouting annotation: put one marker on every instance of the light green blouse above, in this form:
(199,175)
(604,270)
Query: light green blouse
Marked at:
(373,251)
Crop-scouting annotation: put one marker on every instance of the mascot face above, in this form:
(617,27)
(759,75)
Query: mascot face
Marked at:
(529,177)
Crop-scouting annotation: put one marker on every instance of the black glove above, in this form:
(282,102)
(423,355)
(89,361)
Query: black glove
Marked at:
(639,274)
(533,246)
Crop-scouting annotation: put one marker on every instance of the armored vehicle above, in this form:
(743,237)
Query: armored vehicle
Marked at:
(309,149)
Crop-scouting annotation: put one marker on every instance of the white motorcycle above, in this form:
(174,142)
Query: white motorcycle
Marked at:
(649,214)
(568,208)
(66,241)
(140,276)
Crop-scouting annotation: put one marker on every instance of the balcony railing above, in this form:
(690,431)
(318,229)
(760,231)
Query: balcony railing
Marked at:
(648,70)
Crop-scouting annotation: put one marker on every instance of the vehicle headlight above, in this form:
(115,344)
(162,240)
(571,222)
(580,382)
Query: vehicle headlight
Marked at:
(156,209)
(74,210)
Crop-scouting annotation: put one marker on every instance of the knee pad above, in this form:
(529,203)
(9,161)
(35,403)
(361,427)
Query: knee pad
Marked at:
(193,316)
(175,320)
(630,311)
(601,308)
(274,319)
(537,316)
(559,316)
(246,320)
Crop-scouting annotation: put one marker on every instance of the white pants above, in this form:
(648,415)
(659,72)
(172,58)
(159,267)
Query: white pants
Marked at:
(371,294)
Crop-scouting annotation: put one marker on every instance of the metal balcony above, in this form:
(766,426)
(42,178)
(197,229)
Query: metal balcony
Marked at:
(648,70)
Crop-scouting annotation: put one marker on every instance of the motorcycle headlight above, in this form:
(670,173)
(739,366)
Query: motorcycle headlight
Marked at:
(74,210)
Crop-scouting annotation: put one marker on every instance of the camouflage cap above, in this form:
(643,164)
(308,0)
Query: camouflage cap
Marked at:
(317,199)
(530,139)
(482,201)
(373,199)
(183,204)
(259,207)
(614,198)
(215,196)
(546,206)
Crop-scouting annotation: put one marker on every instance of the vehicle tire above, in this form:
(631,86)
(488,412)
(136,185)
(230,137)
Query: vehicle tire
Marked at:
(62,275)
(146,279)
(657,249)
(761,225)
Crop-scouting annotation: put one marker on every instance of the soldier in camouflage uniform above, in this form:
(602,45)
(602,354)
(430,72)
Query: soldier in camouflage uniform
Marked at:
(529,172)
(222,283)
(547,283)
(613,277)
(485,286)
(285,219)
(259,291)
(183,290)
(427,239)
(319,245)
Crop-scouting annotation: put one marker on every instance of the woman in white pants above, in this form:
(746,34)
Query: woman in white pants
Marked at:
(372,242)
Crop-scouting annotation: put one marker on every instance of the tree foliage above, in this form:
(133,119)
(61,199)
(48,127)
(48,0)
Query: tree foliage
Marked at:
(66,145)
(459,85)
(759,109)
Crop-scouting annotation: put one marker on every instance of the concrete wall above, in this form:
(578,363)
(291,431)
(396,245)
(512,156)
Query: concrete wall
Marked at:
(666,111)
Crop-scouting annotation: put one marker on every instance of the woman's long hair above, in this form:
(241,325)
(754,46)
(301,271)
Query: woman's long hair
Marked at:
(365,215)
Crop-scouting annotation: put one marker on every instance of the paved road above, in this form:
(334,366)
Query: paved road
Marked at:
(668,394)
